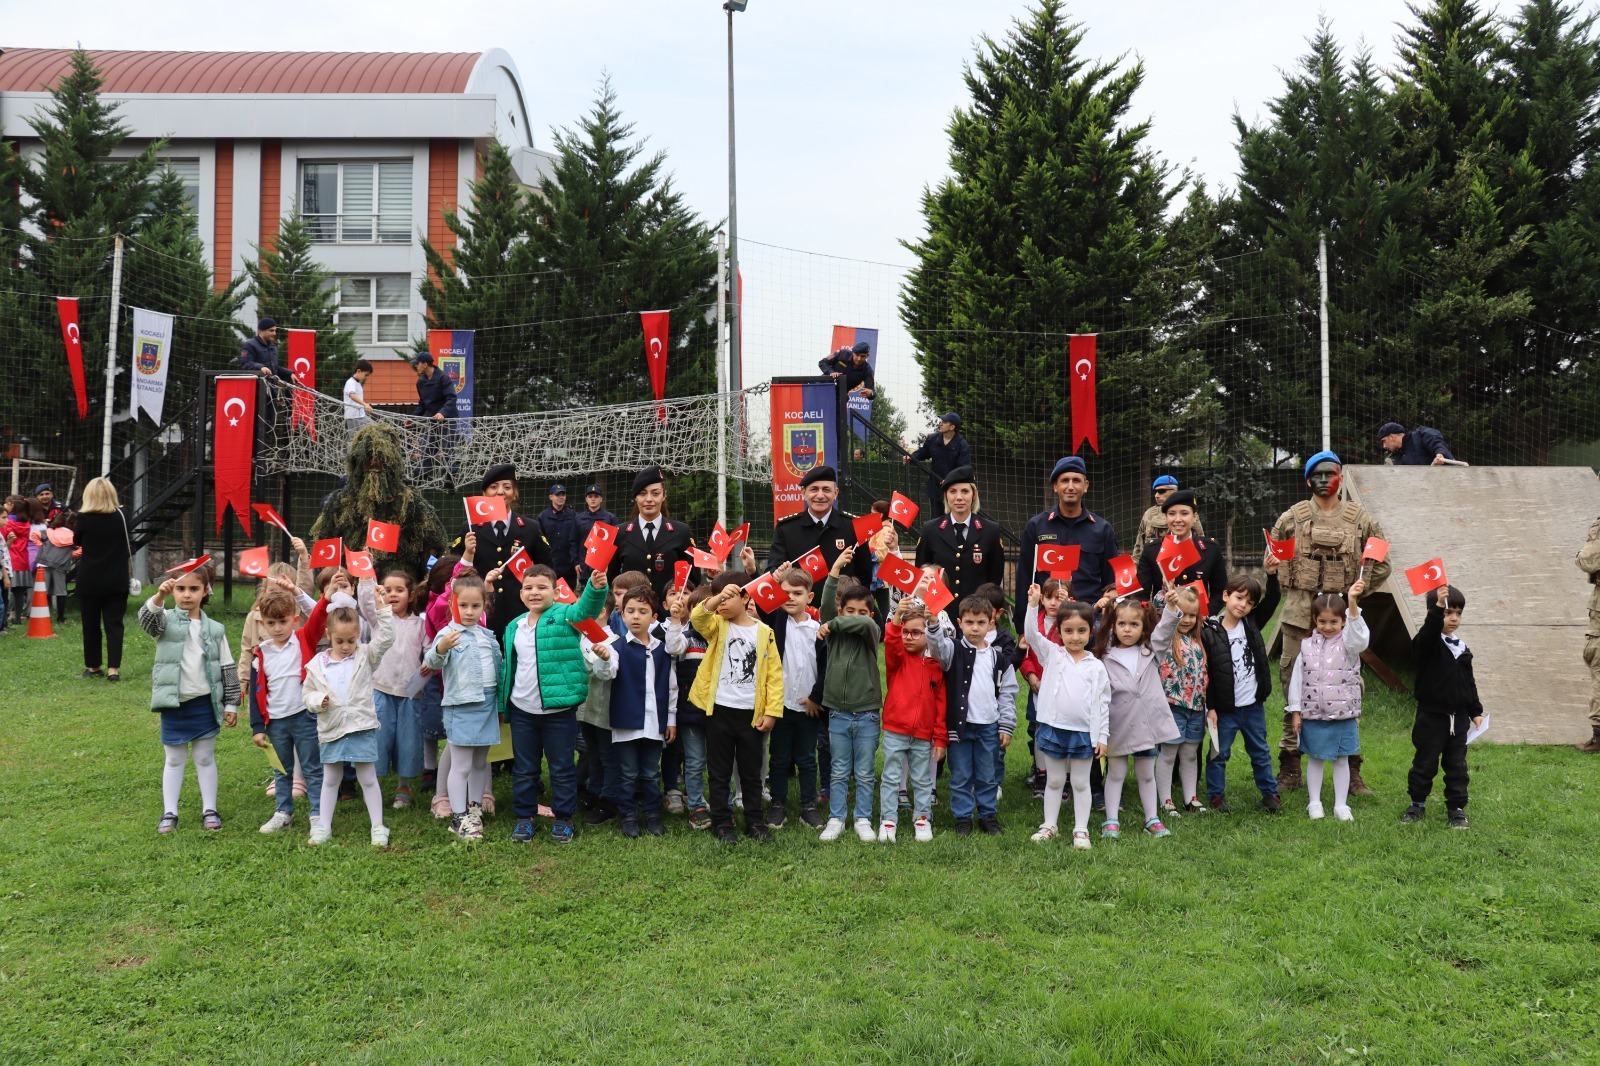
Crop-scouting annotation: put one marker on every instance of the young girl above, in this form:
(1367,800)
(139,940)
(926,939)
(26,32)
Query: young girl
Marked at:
(1052,592)
(16,534)
(397,681)
(332,579)
(430,710)
(468,656)
(1073,707)
(55,556)
(338,690)
(194,686)
(1183,677)
(1139,716)
(1324,698)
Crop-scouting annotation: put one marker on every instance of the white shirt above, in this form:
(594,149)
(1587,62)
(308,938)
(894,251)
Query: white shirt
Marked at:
(1129,658)
(799,661)
(284,698)
(339,672)
(652,713)
(650,528)
(193,681)
(1244,675)
(982,705)
(354,395)
(736,687)
(486,661)
(1455,644)
(525,686)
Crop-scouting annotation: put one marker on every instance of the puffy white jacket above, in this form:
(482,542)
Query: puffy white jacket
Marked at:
(358,710)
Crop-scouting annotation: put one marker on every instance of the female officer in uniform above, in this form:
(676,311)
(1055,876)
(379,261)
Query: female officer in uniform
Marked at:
(651,542)
(964,544)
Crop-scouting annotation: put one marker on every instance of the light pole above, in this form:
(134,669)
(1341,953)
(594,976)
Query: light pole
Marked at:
(735,376)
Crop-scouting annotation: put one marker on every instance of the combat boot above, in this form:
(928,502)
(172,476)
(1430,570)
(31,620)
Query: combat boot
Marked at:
(1289,771)
(1592,745)
(1358,787)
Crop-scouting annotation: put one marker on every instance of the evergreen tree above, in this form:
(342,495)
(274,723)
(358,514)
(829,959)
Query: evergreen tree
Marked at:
(293,289)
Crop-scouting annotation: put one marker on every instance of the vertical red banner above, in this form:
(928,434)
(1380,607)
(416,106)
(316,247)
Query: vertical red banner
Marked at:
(1085,426)
(232,446)
(67,311)
(655,325)
(303,365)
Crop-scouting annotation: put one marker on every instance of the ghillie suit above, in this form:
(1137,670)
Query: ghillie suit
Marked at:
(375,487)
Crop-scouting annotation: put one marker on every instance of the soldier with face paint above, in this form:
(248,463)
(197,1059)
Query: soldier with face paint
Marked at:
(1329,534)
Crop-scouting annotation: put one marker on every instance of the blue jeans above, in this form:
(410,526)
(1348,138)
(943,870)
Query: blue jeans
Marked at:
(693,738)
(600,764)
(1251,723)
(551,737)
(638,764)
(972,763)
(290,736)
(898,749)
(792,752)
(399,736)
(853,736)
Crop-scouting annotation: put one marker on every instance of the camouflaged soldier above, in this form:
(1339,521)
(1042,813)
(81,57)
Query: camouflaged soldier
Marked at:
(1153,526)
(1589,563)
(1329,535)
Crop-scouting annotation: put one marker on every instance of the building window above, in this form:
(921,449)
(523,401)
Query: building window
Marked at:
(376,309)
(357,203)
(188,171)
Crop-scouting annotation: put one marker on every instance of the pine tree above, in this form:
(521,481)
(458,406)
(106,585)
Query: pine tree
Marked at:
(293,289)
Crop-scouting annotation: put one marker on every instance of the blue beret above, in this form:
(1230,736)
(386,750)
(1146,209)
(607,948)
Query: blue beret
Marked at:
(1070,464)
(1162,481)
(1322,457)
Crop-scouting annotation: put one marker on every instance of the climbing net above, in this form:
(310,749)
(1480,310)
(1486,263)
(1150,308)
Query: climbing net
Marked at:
(545,444)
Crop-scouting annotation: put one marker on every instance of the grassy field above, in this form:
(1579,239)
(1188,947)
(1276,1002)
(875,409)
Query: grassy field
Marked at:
(1241,939)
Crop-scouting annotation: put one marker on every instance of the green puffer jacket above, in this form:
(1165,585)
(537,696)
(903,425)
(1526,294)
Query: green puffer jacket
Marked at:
(563,677)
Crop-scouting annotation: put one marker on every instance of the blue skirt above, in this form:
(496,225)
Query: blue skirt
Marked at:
(360,746)
(1063,743)
(188,722)
(1330,740)
(472,725)
(1191,724)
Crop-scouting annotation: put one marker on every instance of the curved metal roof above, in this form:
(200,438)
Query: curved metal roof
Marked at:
(37,69)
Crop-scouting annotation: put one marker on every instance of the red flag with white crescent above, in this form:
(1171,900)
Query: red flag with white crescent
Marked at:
(1057,560)
(1427,577)
(1085,427)
(902,510)
(1175,557)
(303,365)
(253,562)
(233,439)
(67,311)
(382,536)
(1126,570)
(481,510)
(655,324)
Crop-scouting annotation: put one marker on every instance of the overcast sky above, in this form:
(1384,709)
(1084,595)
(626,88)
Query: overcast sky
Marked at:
(842,105)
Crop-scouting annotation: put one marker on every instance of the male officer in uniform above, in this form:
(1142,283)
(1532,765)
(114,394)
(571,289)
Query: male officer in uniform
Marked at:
(1423,446)
(1589,563)
(259,355)
(594,510)
(849,367)
(1329,536)
(1211,571)
(944,451)
(820,525)
(499,541)
(560,525)
(651,542)
(1153,524)
(1068,522)
(965,545)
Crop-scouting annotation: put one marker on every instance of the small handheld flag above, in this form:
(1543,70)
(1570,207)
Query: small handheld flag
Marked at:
(254,562)
(564,593)
(327,552)
(483,509)
(190,565)
(704,559)
(938,595)
(359,564)
(267,514)
(680,575)
(518,564)
(897,573)
(382,536)
(1427,577)
(1057,560)
(593,631)
(1282,550)
(902,510)
(1127,575)
(767,593)
(814,564)
(866,525)
(1174,558)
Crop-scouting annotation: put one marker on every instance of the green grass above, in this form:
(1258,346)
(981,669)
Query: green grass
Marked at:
(1241,939)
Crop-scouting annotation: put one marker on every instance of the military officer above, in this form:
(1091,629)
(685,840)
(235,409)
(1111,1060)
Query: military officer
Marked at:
(1329,536)
(498,542)
(651,542)
(1182,524)
(1153,524)
(966,545)
(1589,563)
(820,525)
(1068,522)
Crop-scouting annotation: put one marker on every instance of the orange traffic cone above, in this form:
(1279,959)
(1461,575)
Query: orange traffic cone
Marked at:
(39,610)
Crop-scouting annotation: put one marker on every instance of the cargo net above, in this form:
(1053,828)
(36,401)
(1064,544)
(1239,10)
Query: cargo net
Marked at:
(548,444)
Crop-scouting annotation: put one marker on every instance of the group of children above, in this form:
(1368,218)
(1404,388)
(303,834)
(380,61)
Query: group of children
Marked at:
(618,690)
(36,536)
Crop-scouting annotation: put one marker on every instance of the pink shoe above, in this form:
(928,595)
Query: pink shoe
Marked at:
(299,788)
(441,806)
(272,787)
(488,802)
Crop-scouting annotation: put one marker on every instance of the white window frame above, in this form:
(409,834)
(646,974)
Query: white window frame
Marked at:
(372,311)
(192,193)
(375,227)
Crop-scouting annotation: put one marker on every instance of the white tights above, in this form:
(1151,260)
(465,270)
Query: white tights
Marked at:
(205,769)
(366,776)
(1341,779)
(468,770)
(1057,772)
(1117,771)
(1187,758)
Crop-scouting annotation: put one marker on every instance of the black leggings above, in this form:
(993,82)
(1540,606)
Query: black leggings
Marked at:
(102,609)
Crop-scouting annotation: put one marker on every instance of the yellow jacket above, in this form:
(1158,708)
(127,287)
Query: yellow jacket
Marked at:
(769,667)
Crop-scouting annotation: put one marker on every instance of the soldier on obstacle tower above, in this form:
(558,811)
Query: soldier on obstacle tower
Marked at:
(1589,563)
(1329,535)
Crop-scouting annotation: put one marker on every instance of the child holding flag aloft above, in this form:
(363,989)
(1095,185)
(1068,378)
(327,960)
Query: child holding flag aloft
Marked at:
(466,653)
(1073,708)
(1447,704)
(1324,697)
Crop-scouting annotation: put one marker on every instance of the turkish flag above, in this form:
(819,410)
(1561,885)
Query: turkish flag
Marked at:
(564,593)
(902,510)
(190,564)
(897,573)
(600,533)
(455,607)
(1205,597)
(269,514)
(1427,577)
(382,536)
(327,552)
(740,535)
(938,596)
(1174,557)
(1126,570)
(704,559)
(518,564)
(1057,560)
(232,443)
(303,365)
(1279,549)
(67,311)
(1085,427)
(720,543)
(1376,549)
(767,593)
(866,525)
(359,564)
(654,324)
(253,562)
(484,509)
(601,545)
(593,631)
(680,575)
(814,564)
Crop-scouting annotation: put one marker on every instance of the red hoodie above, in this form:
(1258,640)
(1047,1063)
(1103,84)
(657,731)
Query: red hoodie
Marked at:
(914,705)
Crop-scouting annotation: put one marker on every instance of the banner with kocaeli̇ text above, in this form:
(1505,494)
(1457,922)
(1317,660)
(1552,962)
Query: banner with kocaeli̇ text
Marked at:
(803,439)
(152,354)
(452,353)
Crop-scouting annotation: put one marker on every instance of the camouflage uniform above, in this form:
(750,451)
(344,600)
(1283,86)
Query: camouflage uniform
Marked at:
(1153,526)
(1589,562)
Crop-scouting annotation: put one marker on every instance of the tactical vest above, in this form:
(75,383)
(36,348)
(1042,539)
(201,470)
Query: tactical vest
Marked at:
(1327,548)
(1330,685)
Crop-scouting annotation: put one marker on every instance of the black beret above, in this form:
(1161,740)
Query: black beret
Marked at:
(860,348)
(650,475)
(819,473)
(961,475)
(1181,498)
(1390,427)
(498,472)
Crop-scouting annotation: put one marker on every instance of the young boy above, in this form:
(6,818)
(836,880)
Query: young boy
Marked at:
(1015,654)
(793,750)
(851,693)
(357,411)
(740,688)
(691,719)
(277,708)
(1447,703)
(914,734)
(542,683)
(598,767)
(1239,682)
(980,714)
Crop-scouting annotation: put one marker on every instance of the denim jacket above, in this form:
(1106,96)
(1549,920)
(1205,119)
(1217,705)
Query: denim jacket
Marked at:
(464,680)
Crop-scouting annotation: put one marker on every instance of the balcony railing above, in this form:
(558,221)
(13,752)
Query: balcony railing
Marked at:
(359,229)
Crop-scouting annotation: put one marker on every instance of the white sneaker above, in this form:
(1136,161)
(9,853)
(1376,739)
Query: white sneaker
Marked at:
(1314,810)
(277,823)
(886,833)
(380,836)
(864,830)
(320,834)
(924,830)
(833,830)
(1080,839)
(998,792)
(675,802)
(1046,832)
(1344,814)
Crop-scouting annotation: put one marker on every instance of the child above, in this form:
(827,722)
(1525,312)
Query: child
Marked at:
(17,532)
(542,684)
(740,688)
(300,581)
(1051,595)
(691,719)
(1139,717)
(598,767)
(914,736)
(1324,697)
(357,411)
(276,668)
(338,690)
(1007,642)
(1074,704)
(793,747)
(194,686)
(643,712)
(335,579)
(851,693)
(55,556)
(1447,701)
(1183,678)
(435,618)
(430,710)
(397,681)
(1238,683)
(467,655)
(980,714)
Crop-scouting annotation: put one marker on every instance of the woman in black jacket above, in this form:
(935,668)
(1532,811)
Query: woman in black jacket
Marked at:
(104,536)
